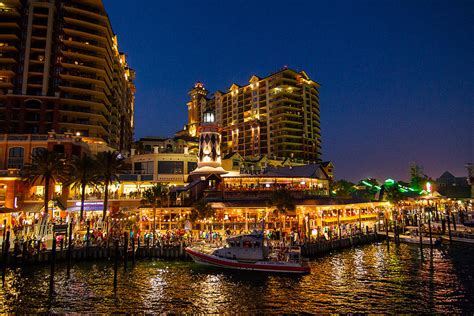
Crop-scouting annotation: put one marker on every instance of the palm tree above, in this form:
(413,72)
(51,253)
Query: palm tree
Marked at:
(201,210)
(155,197)
(109,164)
(283,202)
(47,167)
(83,174)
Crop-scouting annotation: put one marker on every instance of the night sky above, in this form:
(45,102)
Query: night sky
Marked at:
(397,77)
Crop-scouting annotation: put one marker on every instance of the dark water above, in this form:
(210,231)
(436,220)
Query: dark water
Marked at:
(363,279)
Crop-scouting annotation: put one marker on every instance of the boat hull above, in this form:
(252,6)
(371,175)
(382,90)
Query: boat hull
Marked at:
(459,239)
(277,267)
(416,240)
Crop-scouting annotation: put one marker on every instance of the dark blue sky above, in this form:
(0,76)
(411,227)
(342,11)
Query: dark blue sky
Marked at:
(397,78)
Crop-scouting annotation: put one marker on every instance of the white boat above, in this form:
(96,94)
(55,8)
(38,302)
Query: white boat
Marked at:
(460,239)
(250,252)
(411,239)
(416,239)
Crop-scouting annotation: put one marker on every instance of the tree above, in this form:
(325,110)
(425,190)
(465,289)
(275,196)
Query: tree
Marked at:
(109,164)
(155,196)
(342,188)
(366,189)
(83,173)
(201,210)
(416,177)
(393,194)
(47,167)
(283,202)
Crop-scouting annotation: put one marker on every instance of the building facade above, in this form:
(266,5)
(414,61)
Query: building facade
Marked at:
(277,116)
(61,70)
(171,168)
(177,144)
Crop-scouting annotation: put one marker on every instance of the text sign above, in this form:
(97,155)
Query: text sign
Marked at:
(60,228)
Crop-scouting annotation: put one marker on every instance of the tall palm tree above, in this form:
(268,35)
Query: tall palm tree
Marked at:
(109,164)
(201,210)
(155,197)
(283,202)
(83,173)
(46,167)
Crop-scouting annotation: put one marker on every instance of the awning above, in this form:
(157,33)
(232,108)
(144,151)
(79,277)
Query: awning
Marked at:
(187,187)
(5,210)
(88,206)
(31,207)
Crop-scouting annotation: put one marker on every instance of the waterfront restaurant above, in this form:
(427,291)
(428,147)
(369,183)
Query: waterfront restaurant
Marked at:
(241,216)
(242,202)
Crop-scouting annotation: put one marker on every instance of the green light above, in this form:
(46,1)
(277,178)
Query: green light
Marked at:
(367,183)
(390,181)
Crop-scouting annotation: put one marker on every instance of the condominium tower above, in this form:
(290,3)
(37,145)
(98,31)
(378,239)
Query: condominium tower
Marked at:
(61,70)
(277,116)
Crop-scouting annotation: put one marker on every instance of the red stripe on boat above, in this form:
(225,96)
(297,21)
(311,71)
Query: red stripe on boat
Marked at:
(246,265)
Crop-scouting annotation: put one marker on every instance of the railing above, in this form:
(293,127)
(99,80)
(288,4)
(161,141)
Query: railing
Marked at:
(261,194)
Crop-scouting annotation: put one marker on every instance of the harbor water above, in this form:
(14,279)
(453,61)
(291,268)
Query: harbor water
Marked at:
(361,279)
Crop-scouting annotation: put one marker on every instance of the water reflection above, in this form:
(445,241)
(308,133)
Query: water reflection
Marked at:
(362,279)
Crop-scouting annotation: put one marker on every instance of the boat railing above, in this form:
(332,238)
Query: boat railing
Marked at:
(205,247)
(285,253)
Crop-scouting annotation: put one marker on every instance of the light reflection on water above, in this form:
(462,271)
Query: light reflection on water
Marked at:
(361,279)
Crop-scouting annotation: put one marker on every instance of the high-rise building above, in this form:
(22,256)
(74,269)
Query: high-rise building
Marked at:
(61,70)
(277,116)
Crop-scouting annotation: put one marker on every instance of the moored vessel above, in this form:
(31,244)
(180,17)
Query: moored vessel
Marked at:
(251,252)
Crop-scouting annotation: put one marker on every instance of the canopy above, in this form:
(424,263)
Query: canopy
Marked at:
(31,207)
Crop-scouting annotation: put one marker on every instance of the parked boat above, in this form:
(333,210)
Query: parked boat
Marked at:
(412,238)
(251,252)
(415,239)
(465,238)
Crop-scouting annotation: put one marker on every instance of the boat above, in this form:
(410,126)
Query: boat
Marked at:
(251,252)
(469,239)
(410,237)
(416,239)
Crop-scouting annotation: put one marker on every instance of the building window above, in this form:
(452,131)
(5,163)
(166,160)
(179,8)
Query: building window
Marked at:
(143,167)
(170,167)
(235,163)
(191,166)
(15,157)
(33,104)
(38,151)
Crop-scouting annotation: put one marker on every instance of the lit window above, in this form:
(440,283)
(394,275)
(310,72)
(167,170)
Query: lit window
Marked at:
(15,157)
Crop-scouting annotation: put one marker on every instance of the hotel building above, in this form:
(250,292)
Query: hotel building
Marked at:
(276,116)
(61,70)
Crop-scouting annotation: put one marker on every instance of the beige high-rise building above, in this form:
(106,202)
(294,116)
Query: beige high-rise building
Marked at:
(277,116)
(61,70)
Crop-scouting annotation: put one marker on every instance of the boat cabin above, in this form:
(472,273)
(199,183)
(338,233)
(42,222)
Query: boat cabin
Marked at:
(246,248)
